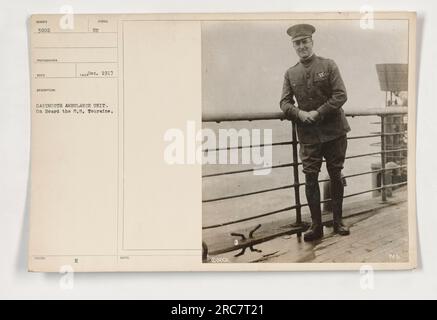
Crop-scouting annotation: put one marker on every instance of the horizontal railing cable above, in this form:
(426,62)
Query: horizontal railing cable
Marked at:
(295,164)
(294,207)
(284,143)
(289,186)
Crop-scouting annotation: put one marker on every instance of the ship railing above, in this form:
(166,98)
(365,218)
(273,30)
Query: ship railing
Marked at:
(386,131)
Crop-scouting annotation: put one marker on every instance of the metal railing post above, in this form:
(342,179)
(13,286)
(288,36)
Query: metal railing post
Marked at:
(383,182)
(296,185)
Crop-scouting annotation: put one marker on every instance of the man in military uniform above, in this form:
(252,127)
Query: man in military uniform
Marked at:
(317,87)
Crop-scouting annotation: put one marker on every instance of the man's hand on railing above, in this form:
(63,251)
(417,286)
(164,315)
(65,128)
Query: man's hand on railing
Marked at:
(289,114)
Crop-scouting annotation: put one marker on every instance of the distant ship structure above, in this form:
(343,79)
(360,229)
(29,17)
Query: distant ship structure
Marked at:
(393,79)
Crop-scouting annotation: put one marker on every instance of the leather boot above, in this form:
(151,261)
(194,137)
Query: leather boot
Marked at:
(337,192)
(312,192)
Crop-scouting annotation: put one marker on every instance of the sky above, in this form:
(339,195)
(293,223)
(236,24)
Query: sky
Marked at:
(243,62)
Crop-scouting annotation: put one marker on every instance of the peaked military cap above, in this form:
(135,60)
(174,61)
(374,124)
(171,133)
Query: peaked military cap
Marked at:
(300,31)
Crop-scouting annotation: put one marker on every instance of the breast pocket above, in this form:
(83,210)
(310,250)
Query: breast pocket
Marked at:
(321,83)
(299,90)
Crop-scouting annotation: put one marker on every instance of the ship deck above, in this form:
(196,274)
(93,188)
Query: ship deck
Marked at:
(379,234)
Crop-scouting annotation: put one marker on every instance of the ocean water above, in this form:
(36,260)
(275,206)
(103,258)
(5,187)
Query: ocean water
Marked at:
(237,208)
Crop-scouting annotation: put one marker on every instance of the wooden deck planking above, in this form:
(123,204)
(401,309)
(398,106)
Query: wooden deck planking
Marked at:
(379,236)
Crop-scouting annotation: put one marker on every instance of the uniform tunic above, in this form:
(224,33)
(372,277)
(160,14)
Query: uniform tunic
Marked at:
(315,84)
